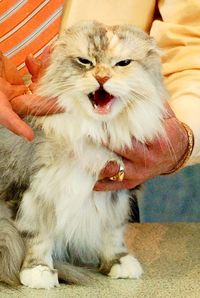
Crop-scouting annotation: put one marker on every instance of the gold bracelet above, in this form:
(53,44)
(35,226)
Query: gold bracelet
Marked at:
(188,153)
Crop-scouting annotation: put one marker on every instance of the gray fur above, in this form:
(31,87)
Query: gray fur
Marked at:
(16,167)
(18,163)
(12,252)
(72,274)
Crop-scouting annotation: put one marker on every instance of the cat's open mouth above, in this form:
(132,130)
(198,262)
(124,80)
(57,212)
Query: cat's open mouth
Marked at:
(101,101)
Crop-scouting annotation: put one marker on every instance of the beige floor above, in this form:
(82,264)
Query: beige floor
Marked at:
(170,255)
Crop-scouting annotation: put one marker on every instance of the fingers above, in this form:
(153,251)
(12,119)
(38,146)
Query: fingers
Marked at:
(135,152)
(11,90)
(114,185)
(9,72)
(30,104)
(169,112)
(131,177)
(36,66)
(46,56)
(18,90)
(12,121)
(111,169)
(27,104)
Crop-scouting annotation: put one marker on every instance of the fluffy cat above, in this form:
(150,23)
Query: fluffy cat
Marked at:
(108,81)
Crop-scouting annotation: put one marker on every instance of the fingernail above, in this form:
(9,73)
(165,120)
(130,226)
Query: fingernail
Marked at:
(30,56)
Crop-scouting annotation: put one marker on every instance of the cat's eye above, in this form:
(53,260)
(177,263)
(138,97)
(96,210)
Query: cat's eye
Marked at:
(84,61)
(123,62)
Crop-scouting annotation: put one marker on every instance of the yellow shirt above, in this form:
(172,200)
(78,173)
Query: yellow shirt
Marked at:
(175,24)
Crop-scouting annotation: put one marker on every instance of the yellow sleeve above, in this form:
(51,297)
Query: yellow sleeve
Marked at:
(110,12)
(178,36)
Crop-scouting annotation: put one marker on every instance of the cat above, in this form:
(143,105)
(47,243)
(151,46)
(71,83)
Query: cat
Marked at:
(108,81)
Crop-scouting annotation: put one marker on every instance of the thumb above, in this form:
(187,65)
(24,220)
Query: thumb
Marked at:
(34,66)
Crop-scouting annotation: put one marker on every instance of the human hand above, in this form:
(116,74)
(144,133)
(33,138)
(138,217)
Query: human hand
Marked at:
(145,161)
(31,104)
(15,97)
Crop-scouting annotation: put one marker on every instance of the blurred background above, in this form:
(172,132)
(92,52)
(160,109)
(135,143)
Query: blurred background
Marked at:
(172,198)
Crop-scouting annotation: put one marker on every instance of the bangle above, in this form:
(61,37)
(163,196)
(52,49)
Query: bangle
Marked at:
(188,152)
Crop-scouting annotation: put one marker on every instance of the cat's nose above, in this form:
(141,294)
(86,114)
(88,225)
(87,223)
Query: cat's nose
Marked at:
(102,80)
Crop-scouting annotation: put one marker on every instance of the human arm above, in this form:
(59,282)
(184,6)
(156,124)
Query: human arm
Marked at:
(178,36)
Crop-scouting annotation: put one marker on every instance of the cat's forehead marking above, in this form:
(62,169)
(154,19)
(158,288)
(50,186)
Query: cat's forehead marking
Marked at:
(104,43)
(112,38)
(117,45)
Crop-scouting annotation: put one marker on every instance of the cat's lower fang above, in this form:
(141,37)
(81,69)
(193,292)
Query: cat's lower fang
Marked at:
(103,109)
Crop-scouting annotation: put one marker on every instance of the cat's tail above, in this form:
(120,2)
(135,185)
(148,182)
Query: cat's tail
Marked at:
(72,274)
(12,252)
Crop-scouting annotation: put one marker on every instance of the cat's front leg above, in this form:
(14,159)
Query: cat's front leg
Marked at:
(126,267)
(121,265)
(36,220)
(116,261)
(37,270)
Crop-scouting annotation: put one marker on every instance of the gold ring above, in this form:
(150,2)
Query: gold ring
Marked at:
(28,91)
(119,176)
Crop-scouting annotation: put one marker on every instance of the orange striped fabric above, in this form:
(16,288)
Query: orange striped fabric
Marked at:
(28,26)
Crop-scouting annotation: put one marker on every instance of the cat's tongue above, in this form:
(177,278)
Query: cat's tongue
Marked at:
(101,101)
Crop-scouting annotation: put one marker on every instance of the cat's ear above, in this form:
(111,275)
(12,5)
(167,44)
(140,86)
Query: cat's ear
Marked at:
(65,37)
(153,49)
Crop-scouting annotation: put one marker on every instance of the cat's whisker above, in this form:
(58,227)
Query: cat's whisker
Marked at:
(43,106)
(171,148)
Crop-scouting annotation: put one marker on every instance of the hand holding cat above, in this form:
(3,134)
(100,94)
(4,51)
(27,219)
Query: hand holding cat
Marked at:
(15,97)
(145,161)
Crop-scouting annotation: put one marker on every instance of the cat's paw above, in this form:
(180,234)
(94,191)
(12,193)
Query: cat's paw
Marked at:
(129,267)
(39,277)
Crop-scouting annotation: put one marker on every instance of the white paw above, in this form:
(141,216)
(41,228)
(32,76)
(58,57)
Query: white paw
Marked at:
(39,277)
(129,267)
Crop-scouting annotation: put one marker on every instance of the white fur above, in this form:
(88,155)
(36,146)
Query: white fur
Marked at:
(39,277)
(83,220)
(81,216)
(129,267)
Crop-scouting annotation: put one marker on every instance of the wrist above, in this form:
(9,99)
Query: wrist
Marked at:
(187,152)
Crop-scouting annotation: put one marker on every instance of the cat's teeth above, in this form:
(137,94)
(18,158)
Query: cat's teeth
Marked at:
(91,94)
